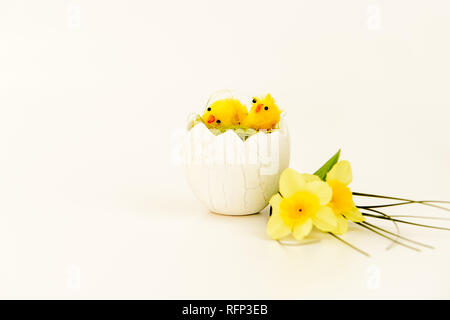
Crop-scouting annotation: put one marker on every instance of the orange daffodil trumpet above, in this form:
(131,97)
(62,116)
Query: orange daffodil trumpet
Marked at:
(338,178)
(300,205)
(305,200)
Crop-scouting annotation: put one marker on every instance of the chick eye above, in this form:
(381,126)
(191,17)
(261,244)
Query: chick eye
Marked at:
(218,121)
(209,109)
(266,108)
(254,100)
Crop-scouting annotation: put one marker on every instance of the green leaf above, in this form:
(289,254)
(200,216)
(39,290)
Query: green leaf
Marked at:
(322,172)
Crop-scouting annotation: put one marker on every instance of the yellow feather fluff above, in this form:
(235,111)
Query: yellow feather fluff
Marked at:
(225,113)
(264,114)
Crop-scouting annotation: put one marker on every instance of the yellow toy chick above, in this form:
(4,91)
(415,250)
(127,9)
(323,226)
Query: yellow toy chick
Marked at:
(264,114)
(225,113)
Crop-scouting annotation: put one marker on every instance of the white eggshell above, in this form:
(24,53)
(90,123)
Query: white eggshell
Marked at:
(231,176)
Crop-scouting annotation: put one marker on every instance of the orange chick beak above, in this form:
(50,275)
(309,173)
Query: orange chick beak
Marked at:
(258,107)
(211,119)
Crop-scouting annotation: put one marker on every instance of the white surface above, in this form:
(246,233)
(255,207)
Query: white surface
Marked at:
(91,92)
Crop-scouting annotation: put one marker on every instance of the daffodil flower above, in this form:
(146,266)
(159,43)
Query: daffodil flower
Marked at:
(301,205)
(338,178)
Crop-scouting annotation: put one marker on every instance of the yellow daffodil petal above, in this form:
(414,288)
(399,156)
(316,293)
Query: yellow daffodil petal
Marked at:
(310,177)
(342,225)
(275,202)
(302,230)
(290,182)
(354,215)
(321,189)
(325,219)
(341,172)
(276,228)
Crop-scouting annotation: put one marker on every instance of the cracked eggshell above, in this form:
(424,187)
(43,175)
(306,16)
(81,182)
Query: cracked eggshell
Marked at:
(231,176)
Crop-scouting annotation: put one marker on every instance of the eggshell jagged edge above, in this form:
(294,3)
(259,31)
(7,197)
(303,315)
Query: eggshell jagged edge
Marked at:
(191,120)
(250,187)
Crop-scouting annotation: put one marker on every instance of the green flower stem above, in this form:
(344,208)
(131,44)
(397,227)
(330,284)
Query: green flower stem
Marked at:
(398,236)
(418,217)
(430,203)
(385,236)
(350,245)
(393,198)
(402,221)
(425,203)
(395,224)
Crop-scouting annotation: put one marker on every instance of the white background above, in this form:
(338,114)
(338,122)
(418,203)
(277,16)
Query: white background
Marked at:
(92,91)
